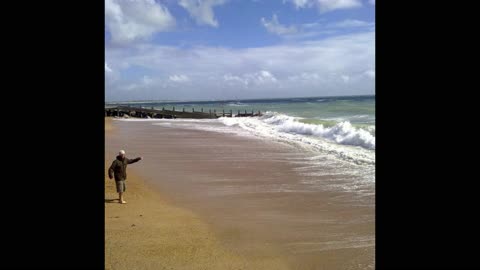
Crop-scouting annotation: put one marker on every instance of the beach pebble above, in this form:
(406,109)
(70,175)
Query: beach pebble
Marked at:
(133,225)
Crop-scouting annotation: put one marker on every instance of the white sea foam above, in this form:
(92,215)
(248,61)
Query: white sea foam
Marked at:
(341,133)
(237,104)
(342,140)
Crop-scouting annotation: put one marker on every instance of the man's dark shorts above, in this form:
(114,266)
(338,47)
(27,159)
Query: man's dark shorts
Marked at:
(121,186)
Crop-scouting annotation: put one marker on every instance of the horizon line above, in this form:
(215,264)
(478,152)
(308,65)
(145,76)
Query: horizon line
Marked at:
(247,99)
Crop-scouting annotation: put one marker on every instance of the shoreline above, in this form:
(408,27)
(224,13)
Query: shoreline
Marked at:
(257,202)
(149,232)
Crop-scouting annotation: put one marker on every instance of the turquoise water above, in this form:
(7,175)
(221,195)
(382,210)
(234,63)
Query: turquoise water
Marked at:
(358,110)
(348,120)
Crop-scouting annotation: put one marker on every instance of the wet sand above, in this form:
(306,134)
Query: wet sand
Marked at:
(150,233)
(251,196)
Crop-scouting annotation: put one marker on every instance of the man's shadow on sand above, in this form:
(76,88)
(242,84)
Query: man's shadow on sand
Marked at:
(111,200)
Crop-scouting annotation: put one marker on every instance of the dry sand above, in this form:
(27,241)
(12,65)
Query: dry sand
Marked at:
(151,233)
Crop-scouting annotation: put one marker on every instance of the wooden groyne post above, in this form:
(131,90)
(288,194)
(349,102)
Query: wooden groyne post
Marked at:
(153,113)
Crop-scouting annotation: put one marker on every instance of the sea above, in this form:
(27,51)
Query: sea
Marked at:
(339,131)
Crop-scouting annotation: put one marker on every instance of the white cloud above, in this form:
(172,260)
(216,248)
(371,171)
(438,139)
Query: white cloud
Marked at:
(275,27)
(264,76)
(132,87)
(327,5)
(372,2)
(270,71)
(107,68)
(314,29)
(232,78)
(370,73)
(249,79)
(310,25)
(301,3)
(111,76)
(147,80)
(202,10)
(179,78)
(304,77)
(345,78)
(351,24)
(128,20)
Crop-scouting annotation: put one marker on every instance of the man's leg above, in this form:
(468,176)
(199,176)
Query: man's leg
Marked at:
(120,189)
(123,188)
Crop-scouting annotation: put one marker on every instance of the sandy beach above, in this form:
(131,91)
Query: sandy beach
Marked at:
(205,200)
(151,233)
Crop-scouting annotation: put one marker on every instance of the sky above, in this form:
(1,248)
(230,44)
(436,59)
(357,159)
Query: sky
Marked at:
(238,49)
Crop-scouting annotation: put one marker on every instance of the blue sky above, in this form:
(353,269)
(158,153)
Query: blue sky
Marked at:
(235,49)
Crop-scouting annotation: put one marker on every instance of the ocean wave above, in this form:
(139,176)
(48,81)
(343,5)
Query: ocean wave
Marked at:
(370,129)
(357,117)
(237,104)
(341,133)
(341,140)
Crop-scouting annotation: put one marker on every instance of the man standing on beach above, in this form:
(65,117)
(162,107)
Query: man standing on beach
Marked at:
(119,170)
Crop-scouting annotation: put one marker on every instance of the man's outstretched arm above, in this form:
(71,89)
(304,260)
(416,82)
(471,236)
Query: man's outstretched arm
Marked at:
(130,161)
